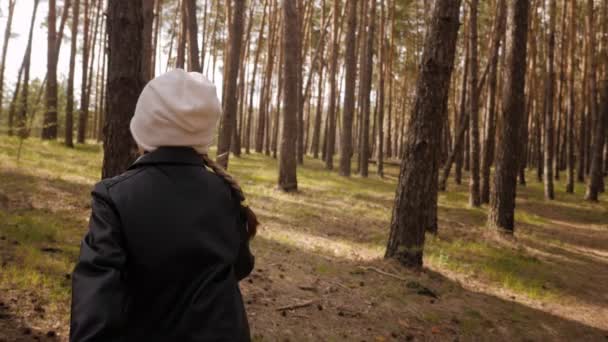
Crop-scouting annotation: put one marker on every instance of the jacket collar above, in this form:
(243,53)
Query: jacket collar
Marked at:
(170,155)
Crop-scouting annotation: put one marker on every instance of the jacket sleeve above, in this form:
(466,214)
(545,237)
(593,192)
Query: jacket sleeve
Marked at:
(99,294)
(245,261)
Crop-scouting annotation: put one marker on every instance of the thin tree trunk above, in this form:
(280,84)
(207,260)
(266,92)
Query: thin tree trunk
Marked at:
(69,112)
(193,60)
(571,99)
(91,63)
(49,129)
(549,95)
(490,125)
(474,199)
(253,79)
(7,36)
(366,79)
(22,115)
(148,52)
(330,137)
(316,135)
(349,94)
(183,36)
(228,122)
(158,24)
(83,113)
(270,57)
(381,94)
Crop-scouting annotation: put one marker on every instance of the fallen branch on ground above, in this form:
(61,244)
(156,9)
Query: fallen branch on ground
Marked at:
(296,306)
(379,271)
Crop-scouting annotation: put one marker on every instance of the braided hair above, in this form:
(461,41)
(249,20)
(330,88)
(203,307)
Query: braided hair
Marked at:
(252,220)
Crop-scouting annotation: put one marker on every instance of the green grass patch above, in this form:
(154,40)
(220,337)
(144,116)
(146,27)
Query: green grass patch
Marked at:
(511,269)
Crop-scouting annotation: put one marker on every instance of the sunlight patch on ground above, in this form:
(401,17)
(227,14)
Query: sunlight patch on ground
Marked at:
(317,244)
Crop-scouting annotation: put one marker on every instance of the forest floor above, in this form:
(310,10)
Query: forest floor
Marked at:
(322,248)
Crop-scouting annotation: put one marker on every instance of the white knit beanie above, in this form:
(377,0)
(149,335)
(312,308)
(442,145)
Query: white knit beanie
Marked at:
(176,109)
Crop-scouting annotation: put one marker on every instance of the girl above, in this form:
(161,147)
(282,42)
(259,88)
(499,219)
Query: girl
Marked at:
(168,240)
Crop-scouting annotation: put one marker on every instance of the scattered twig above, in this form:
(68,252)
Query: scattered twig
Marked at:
(379,271)
(296,306)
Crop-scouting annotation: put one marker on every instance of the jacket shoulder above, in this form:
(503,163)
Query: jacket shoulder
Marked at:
(110,182)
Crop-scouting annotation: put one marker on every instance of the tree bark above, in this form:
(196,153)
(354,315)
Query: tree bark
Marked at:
(148,52)
(228,122)
(180,61)
(571,99)
(474,198)
(549,95)
(49,129)
(69,111)
(253,79)
(287,162)
(366,79)
(125,57)
(349,91)
(381,93)
(502,198)
(7,36)
(83,113)
(596,175)
(490,125)
(22,115)
(333,70)
(418,175)
(193,60)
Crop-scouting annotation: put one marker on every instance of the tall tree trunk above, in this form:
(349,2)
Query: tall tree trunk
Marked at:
(193,60)
(180,62)
(456,155)
(148,52)
(228,122)
(571,99)
(267,81)
(366,79)
(419,167)
(549,95)
(276,113)
(333,70)
(389,137)
(381,93)
(316,135)
(7,36)
(474,199)
(84,99)
(459,157)
(49,129)
(91,63)
(69,111)
(287,162)
(253,79)
(349,92)
(502,199)
(22,115)
(158,24)
(125,57)
(490,125)
(596,175)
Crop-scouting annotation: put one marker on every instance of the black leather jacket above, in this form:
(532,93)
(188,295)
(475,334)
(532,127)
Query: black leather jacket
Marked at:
(163,256)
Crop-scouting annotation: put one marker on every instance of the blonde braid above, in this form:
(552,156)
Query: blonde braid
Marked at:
(250,216)
(220,171)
